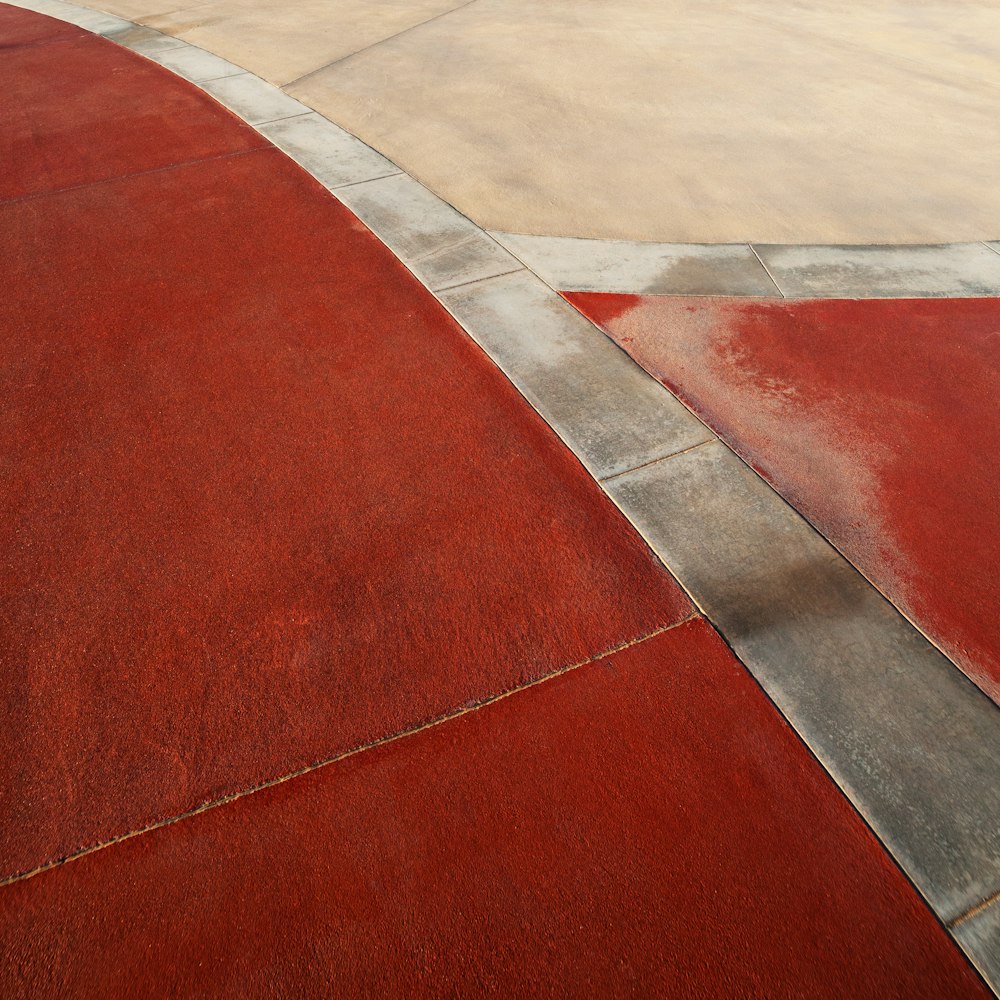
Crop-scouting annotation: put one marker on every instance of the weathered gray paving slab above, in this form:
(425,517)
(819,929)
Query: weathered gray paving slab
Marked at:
(196,64)
(255,101)
(334,157)
(603,405)
(437,243)
(953,269)
(915,745)
(146,41)
(579,265)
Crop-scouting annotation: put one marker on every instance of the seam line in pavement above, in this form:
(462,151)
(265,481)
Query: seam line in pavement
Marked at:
(993,900)
(354,751)
(753,250)
(656,461)
(476,281)
(40,43)
(375,45)
(367,180)
(137,173)
(270,121)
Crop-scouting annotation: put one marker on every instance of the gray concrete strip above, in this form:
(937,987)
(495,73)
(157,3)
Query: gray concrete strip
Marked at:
(994,246)
(601,403)
(254,100)
(334,157)
(438,244)
(146,41)
(92,20)
(579,265)
(913,743)
(979,937)
(196,64)
(862,272)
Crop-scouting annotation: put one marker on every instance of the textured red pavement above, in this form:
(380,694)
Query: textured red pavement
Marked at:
(69,119)
(264,501)
(643,826)
(877,419)
(25,27)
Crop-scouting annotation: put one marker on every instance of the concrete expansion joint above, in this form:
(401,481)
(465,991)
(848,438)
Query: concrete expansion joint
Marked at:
(353,752)
(374,45)
(975,911)
(656,461)
(804,622)
(370,180)
(476,281)
(763,265)
(138,173)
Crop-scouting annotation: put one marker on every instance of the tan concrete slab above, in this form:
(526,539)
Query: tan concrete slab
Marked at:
(822,121)
(712,122)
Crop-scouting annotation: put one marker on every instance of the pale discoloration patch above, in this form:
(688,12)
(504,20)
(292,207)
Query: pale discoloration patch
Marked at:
(703,358)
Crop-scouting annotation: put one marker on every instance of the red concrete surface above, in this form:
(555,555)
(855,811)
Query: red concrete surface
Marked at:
(262,500)
(877,419)
(24,27)
(643,826)
(81,109)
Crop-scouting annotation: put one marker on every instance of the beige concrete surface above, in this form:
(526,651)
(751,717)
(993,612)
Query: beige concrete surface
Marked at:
(822,121)
(280,40)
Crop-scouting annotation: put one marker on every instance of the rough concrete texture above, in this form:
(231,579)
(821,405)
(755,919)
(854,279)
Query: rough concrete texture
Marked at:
(824,121)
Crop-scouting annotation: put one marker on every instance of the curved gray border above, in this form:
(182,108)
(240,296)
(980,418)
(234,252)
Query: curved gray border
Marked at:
(910,740)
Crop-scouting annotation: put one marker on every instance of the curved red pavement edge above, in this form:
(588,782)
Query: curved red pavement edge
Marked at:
(227,494)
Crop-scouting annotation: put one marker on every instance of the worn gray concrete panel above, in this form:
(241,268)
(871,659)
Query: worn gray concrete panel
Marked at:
(979,937)
(196,64)
(334,157)
(955,269)
(145,41)
(437,243)
(914,744)
(97,21)
(579,265)
(255,101)
(602,404)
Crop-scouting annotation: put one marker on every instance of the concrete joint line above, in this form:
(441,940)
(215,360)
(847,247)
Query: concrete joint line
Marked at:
(374,45)
(763,265)
(354,751)
(911,741)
